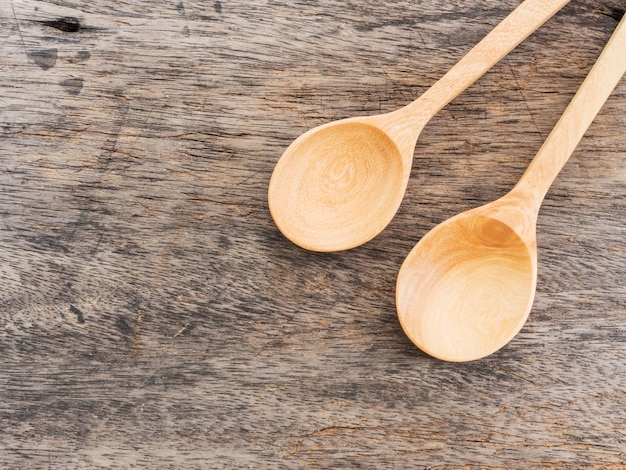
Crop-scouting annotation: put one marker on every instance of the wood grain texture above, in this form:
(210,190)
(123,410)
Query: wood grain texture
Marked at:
(151,314)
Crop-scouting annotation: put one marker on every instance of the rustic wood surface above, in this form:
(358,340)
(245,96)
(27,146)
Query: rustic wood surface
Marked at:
(151,314)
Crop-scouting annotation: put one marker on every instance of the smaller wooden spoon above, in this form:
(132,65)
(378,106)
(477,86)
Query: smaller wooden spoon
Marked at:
(467,287)
(339,185)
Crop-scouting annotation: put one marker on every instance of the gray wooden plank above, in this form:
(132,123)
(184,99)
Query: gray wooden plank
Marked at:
(151,315)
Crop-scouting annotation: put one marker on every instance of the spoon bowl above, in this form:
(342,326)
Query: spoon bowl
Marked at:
(327,176)
(467,287)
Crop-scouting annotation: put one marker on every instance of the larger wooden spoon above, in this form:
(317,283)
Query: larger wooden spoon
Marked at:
(340,184)
(467,287)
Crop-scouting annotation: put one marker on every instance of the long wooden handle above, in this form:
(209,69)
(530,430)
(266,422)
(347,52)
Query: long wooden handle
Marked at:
(586,104)
(516,27)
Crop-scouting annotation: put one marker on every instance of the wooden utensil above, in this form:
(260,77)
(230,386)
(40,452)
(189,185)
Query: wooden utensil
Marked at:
(467,287)
(339,185)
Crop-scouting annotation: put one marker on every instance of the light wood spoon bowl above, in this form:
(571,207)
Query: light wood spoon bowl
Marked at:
(467,287)
(339,185)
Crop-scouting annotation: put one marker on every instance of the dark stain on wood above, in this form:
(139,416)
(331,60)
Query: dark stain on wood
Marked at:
(81,56)
(123,326)
(67,25)
(44,58)
(80,318)
(73,86)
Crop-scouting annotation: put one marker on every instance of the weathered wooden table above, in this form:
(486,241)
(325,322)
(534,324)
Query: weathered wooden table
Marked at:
(151,314)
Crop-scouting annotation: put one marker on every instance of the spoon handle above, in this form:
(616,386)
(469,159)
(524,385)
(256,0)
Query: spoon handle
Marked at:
(569,130)
(507,35)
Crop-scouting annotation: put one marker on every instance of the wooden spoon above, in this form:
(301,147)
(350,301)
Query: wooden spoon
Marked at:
(467,287)
(339,185)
